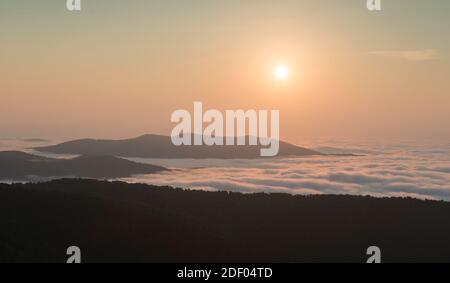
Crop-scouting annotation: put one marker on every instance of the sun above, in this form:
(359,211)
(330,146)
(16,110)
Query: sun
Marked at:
(281,73)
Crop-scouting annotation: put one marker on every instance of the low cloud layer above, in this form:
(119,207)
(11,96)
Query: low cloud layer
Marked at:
(419,170)
(402,171)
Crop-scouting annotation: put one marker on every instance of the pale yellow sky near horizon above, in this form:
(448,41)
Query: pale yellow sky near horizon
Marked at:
(119,69)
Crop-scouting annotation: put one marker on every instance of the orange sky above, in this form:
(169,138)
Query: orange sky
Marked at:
(120,68)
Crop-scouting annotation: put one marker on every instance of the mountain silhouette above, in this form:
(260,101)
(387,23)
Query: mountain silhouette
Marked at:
(120,222)
(15,165)
(157,146)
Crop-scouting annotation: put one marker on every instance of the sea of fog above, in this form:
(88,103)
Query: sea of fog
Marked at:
(415,169)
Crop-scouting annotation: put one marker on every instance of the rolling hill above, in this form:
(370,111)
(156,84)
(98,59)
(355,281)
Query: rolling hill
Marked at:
(15,165)
(156,146)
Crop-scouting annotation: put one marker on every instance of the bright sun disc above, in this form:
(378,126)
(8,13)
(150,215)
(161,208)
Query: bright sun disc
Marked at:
(281,72)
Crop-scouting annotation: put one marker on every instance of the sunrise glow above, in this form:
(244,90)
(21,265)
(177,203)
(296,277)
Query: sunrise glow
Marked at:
(281,73)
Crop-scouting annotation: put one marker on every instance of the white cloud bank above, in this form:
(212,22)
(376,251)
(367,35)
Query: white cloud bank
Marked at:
(401,171)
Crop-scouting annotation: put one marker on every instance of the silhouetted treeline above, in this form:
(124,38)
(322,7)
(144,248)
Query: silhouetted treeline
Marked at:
(119,222)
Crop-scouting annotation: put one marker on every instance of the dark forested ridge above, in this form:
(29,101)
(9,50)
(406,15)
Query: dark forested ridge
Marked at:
(114,221)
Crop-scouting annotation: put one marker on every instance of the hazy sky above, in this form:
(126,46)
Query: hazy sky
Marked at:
(119,68)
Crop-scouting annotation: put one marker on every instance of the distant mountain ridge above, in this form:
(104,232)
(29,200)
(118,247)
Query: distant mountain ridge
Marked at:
(157,146)
(16,165)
